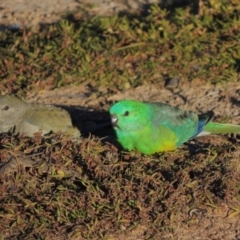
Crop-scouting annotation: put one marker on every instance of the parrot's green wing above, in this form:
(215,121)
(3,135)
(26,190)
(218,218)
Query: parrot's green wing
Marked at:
(184,124)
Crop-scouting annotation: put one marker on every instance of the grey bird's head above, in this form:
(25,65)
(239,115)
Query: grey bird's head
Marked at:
(12,110)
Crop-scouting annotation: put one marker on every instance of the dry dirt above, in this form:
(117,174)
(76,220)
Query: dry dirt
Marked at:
(32,13)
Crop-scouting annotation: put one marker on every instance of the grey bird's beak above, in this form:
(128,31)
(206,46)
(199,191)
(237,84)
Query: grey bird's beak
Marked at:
(114,120)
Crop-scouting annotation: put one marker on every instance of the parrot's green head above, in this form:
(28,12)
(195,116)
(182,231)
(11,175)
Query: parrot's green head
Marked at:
(129,115)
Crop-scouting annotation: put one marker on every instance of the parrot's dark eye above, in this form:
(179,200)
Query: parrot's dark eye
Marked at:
(126,113)
(6,107)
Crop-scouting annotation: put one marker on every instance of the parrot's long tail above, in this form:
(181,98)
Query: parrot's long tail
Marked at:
(224,128)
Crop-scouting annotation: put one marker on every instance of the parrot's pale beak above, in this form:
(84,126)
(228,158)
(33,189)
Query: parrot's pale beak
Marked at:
(114,120)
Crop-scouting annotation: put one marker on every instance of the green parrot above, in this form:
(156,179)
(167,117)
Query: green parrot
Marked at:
(152,127)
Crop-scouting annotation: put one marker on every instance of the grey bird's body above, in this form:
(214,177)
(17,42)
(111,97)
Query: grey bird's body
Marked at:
(18,116)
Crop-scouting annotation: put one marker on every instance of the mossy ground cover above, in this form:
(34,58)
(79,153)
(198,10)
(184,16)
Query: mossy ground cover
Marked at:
(94,189)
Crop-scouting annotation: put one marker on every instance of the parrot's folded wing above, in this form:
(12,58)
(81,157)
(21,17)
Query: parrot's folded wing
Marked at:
(183,123)
(170,115)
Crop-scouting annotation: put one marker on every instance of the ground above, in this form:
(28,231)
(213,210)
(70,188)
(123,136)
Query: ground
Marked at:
(94,189)
(196,223)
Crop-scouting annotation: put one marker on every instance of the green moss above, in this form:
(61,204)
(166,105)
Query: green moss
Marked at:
(171,41)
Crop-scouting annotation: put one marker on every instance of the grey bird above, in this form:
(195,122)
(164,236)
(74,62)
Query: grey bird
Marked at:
(18,116)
